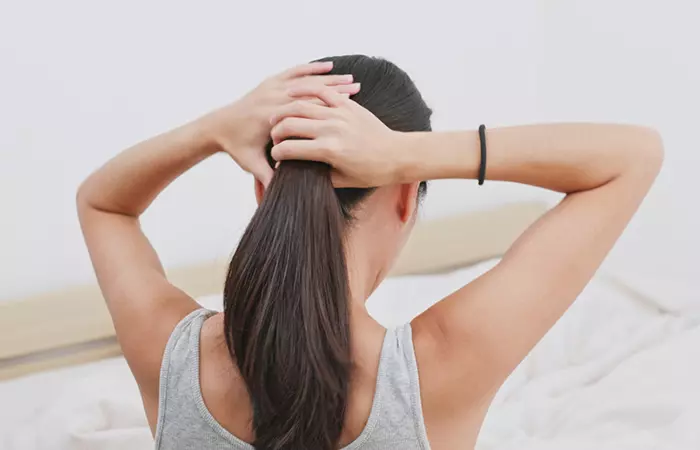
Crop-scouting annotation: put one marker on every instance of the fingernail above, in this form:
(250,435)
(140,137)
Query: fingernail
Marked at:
(348,78)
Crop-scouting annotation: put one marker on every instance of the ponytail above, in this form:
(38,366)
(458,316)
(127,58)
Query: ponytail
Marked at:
(286,299)
(286,313)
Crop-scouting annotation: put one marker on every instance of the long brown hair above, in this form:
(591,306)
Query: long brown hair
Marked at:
(286,298)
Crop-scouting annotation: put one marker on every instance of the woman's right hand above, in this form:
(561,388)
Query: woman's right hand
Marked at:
(361,149)
(242,129)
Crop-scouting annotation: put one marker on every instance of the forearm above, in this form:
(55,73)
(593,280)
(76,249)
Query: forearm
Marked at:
(128,183)
(560,157)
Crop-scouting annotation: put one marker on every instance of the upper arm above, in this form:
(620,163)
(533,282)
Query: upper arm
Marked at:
(488,327)
(144,306)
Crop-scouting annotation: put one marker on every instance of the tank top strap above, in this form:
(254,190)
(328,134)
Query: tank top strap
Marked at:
(398,391)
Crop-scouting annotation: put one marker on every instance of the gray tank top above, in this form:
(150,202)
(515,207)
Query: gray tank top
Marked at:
(185,423)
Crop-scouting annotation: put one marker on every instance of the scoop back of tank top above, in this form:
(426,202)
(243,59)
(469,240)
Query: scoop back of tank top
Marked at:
(184,422)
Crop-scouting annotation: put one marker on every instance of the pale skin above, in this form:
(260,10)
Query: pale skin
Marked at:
(468,343)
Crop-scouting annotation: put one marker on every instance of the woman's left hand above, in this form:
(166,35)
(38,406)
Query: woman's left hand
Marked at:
(242,129)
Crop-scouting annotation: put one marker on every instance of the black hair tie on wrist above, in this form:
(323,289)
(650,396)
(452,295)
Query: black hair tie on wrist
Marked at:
(482,165)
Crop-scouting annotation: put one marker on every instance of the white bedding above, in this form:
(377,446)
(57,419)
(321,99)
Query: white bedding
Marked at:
(619,371)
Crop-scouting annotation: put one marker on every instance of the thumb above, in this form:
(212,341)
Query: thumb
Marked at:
(262,171)
(342,181)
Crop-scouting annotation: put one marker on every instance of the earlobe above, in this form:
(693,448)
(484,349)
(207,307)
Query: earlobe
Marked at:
(259,191)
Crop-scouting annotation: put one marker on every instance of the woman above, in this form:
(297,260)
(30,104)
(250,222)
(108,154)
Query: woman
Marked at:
(295,361)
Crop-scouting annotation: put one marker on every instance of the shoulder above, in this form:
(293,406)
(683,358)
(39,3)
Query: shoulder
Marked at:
(167,354)
(221,383)
(455,396)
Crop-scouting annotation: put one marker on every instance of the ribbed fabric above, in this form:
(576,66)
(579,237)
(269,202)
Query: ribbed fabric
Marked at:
(185,423)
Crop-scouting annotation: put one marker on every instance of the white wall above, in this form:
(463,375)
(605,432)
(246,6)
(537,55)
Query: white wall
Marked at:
(636,61)
(80,80)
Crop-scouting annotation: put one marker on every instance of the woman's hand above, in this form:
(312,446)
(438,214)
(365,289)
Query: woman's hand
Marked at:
(341,133)
(242,129)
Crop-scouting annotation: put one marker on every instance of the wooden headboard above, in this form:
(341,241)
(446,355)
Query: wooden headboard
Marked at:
(72,325)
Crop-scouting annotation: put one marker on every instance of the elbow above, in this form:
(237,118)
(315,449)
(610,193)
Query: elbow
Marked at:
(88,196)
(652,150)
(643,153)
(93,195)
(640,157)
(82,198)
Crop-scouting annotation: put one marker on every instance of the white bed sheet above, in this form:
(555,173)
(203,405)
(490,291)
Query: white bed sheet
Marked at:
(619,371)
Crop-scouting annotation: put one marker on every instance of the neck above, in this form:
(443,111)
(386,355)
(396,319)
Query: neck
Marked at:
(364,275)
(365,272)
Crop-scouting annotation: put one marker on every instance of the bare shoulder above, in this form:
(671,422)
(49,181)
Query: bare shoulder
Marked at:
(221,383)
(455,395)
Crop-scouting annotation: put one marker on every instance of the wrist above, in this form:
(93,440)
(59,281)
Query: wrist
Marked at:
(405,151)
(221,129)
(431,155)
(203,137)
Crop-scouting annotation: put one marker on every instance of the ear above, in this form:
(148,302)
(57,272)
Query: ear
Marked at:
(259,191)
(407,201)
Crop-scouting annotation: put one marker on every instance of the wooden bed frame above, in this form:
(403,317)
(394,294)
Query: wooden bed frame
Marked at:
(72,325)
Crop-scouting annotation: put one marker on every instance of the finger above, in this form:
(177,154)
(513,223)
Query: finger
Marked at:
(318,101)
(296,149)
(314,68)
(321,80)
(314,100)
(325,93)
(301,108)
(347,89)
(294,127)
(332,80)
(339,84)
